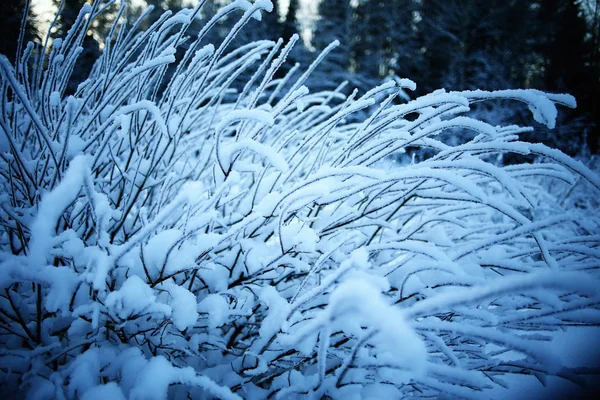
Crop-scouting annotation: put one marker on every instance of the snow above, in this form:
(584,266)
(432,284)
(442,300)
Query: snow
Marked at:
(226,232)
(108,391)
(541,106)
(183,304)
(55,99)
(132,363)
(166,58)
(399,343)
(267,205)
(278,311)
(260,149)
(151,108)
(300,237)
(157,252)
(216,308)
(134,297)
(260,116)
(215,276)
(260,4)
(154,379)
(52,206)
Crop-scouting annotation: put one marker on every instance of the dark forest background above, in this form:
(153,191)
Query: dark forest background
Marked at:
(551,45)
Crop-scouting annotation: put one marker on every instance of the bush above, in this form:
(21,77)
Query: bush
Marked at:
(159,238)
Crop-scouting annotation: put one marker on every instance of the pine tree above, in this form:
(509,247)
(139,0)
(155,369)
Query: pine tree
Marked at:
(372,38)
(384,38)
(91,46)
(454,34)
(334,24)
(270,24)
(565,44)
(12,15)
(290,23)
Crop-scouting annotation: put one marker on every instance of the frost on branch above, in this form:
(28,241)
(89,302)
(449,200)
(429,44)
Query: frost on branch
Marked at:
(163,238)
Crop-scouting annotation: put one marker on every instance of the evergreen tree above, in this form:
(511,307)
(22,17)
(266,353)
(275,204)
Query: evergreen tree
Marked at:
(271,24)
(371,38)
(290,23)
(91,46)
(384,39)
(12,15)
(567,50)
(289,27)
(159,8)
(333,24)
(458,37)
(496,44)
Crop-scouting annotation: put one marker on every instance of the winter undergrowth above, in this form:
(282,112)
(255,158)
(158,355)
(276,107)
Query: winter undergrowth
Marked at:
(162,235)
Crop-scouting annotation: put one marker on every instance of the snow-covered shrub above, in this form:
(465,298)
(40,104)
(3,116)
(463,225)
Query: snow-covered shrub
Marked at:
(158,240)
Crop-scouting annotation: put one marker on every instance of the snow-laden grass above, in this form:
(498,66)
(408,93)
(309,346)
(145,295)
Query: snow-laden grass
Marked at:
(159,238)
